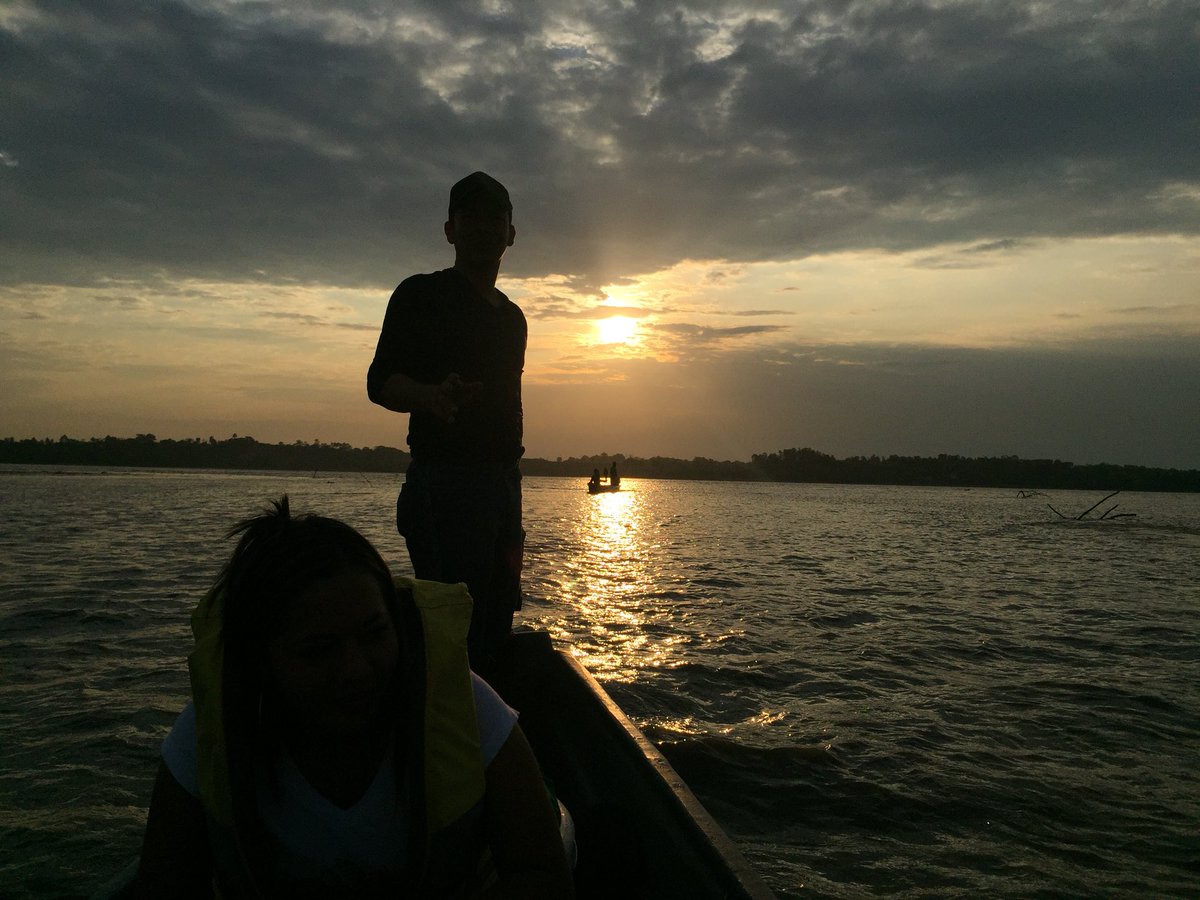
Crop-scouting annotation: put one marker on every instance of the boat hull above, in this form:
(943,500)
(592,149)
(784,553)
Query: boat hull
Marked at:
(640,830)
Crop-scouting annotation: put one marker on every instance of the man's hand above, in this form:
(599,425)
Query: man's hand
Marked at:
(446,398)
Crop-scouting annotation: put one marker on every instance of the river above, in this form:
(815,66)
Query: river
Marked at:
(875,690)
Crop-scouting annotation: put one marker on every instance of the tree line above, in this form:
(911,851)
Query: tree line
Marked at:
(793,465)
(146,451)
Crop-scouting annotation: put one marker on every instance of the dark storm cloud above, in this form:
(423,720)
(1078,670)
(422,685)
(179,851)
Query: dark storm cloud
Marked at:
(264,141)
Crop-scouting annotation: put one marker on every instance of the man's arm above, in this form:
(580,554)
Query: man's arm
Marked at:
(400,393)
(387,385)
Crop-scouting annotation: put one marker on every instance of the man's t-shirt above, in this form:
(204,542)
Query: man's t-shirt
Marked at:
(438,324)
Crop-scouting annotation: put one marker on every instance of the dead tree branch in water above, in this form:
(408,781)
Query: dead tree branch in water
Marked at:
(1106,515)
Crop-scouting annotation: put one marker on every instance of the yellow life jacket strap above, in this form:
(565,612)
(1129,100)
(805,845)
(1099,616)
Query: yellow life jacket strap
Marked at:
(453,757)
(206,665)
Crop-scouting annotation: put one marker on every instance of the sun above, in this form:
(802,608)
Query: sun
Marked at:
(616,330)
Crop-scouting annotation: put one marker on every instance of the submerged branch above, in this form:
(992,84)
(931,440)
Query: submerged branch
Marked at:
(1107,514)
(1094,505)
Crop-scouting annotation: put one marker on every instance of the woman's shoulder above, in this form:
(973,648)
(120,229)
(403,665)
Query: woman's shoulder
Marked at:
(179,751)
(496,718)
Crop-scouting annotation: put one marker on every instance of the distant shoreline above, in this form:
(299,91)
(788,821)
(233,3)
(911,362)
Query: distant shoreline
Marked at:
(793,465)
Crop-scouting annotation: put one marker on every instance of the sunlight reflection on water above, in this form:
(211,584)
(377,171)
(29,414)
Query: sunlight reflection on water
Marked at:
(608,583)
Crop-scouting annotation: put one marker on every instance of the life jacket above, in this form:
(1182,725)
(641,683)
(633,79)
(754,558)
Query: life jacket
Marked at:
(447,857)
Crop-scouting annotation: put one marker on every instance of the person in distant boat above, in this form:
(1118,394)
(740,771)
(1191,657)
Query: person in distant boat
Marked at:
(450,353)
(613,478)
(595,478)
(337,744)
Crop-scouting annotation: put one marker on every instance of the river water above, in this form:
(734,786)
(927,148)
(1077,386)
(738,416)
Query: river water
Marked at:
(911,692)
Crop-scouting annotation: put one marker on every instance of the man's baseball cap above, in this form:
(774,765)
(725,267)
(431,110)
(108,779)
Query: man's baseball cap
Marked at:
(479,187)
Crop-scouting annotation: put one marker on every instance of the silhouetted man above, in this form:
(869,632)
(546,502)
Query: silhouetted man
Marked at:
(450,353)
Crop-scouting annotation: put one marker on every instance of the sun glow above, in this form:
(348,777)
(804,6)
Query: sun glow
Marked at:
(616,330)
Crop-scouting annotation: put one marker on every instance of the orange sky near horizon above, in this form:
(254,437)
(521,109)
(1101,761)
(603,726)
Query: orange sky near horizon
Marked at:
(627,371)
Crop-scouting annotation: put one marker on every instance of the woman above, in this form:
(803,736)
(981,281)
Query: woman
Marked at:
(337,745)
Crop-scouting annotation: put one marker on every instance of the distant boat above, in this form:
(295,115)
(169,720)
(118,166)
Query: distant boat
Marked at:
(594,488)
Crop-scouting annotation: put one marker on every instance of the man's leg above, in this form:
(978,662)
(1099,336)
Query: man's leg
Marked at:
(450,525)
(507,562)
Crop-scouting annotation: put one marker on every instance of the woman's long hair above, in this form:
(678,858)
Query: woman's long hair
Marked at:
(277,557)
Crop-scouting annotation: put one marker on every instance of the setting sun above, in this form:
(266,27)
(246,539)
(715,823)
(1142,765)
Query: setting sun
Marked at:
(616,330)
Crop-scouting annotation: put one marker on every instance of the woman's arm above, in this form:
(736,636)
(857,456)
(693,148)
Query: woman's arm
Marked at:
(522,827)
(176,861)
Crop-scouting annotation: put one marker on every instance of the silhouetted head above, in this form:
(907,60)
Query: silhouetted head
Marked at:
(479,191)
(310,620)
(479,221)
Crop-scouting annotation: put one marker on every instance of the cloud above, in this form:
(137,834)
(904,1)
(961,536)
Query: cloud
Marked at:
(972,256)
(1167,309)
(707,334)
(761,312)
(318,321)
(675,340)
(126,301)
(568,310)
(316,142)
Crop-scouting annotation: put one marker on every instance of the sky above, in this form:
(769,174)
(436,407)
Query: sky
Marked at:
(864,227)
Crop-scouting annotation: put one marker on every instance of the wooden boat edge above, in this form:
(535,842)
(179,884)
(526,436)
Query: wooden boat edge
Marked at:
(570,689)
